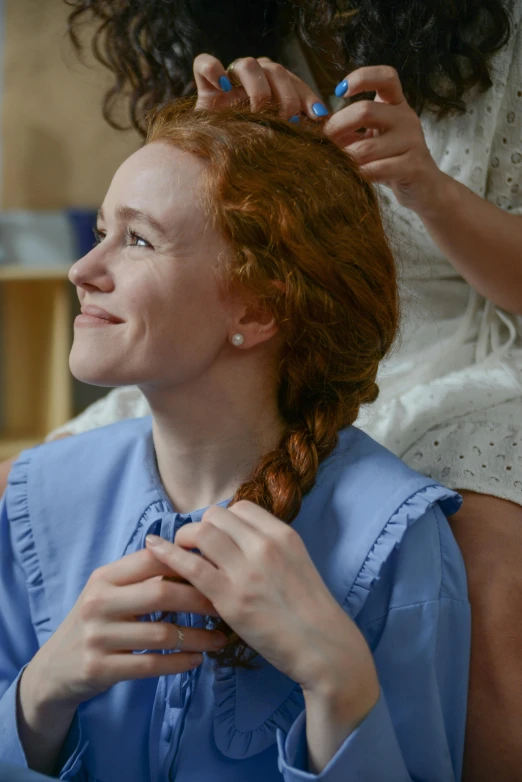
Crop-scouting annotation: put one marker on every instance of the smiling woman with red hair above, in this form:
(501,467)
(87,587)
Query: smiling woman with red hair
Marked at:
(242,280)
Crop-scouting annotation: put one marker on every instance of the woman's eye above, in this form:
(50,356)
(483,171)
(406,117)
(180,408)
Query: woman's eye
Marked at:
(137,240)
(134,239)
(98,236)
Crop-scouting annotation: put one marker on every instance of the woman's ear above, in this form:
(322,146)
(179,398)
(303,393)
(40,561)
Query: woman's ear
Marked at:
(256,323)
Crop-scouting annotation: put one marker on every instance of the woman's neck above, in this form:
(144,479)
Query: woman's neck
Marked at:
(207,445)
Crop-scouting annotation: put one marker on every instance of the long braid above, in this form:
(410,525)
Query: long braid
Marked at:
(288,473)
(311,248)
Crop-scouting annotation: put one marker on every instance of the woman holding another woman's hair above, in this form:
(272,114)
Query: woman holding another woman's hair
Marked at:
(300,609)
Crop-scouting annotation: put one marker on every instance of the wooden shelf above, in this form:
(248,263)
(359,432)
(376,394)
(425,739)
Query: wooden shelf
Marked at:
(13,272)
(36,338)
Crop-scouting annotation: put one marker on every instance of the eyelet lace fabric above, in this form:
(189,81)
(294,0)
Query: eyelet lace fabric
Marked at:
(451,392)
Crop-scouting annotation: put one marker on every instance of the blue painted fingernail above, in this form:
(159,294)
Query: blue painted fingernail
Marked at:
(295,118)
(341,88)
(319,110)
(224,83)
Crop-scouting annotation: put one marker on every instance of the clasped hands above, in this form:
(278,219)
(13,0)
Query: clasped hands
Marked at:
(258,575)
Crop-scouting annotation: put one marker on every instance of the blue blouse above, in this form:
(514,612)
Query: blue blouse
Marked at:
(378,535)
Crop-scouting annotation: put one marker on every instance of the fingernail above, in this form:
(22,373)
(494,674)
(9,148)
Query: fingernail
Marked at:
(154,541)
(295,118)
(319,110)
(219,641)
(225,84)
(196,659)
(341,88)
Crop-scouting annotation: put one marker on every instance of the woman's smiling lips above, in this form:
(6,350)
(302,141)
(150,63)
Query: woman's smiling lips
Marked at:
(95,316)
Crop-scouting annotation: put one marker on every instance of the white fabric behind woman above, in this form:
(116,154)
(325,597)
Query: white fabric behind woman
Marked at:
(451,391)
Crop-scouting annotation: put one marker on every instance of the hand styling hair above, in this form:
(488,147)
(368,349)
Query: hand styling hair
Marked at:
(441,48)
(312,248)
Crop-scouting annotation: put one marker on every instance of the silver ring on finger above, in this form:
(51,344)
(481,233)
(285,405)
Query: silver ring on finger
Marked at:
(181,638)
(231,75)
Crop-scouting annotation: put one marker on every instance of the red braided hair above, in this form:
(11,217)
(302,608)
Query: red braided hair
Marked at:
(297,213)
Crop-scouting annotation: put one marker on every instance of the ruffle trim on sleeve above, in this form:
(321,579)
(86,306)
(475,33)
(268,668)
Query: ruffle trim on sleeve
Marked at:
(23,541)
(391,537)
(239,743)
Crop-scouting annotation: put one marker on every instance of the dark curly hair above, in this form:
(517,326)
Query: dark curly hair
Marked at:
(441,48)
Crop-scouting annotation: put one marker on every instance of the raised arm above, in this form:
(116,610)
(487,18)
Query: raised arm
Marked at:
(479,239)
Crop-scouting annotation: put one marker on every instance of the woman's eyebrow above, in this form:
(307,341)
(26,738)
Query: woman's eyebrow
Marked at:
(129,213)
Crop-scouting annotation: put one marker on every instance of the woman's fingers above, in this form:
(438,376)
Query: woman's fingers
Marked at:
(226,534)
(344,124)
(384,171)
(382,79)
(373,116)
(134,636)
(311,104)
(250,73)
(258,520)
(282,89)
(151,596)
(131,569)
(290,92)
(261,81)
(209,73)
(124,667)
(215,90)
(193,567)
(220,544)
(379,147)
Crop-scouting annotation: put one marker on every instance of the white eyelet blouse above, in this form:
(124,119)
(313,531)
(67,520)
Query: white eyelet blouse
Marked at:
(451,391)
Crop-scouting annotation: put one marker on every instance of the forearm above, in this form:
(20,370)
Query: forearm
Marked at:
(480,240)
(43,725)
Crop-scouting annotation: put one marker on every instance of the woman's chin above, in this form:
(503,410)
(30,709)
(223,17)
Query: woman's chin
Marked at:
(94,374)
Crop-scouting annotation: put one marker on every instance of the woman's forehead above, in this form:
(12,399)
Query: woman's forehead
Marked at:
(158,177)
(162,163)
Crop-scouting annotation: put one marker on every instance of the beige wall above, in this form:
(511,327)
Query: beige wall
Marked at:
(57,150)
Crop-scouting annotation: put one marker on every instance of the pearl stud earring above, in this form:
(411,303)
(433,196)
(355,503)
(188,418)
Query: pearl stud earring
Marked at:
(237,339)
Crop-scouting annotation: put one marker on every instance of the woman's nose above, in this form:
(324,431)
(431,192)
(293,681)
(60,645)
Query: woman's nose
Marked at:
(91,272)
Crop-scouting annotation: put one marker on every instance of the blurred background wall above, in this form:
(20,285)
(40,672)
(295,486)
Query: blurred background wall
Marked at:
(57,150)
(56,155)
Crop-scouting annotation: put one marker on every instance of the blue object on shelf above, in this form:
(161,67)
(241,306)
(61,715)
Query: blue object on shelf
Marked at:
(36,238)
(83,221)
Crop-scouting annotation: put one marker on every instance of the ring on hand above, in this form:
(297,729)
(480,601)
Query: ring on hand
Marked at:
(231,75)
(181,638)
